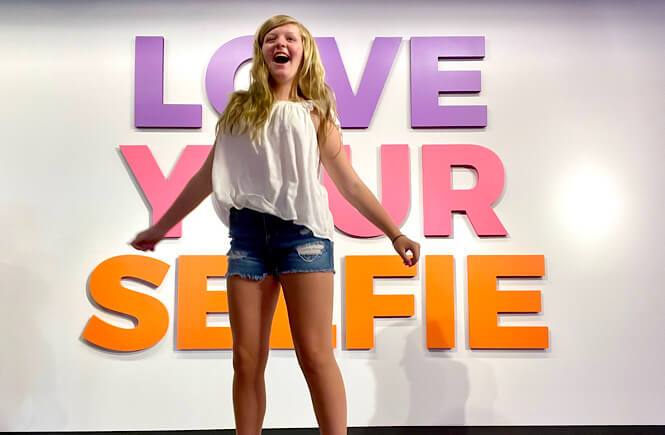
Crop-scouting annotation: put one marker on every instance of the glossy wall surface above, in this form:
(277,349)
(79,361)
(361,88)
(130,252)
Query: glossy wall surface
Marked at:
(574,96)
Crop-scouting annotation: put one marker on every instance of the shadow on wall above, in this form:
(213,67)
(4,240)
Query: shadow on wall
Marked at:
(28,390)
(430,389)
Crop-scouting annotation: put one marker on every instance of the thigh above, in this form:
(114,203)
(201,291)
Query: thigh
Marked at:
(251,308)
(309,301)
(252,291)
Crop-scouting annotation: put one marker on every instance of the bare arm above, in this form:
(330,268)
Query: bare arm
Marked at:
(352,188)
(196,190)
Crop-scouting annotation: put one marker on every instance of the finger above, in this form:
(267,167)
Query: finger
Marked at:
(402,254)
(411,260)
(415,252)
(407,260)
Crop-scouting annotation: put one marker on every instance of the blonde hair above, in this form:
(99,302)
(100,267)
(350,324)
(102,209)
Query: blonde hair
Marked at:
(248,111)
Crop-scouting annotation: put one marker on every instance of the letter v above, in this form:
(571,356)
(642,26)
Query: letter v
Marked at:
(356,111)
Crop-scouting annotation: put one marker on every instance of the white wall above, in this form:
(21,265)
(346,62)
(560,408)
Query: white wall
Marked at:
(575,105)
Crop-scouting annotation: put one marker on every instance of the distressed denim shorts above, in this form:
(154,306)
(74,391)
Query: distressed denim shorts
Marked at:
(263,244)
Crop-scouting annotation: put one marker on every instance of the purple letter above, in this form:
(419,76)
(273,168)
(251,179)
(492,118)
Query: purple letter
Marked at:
(222,69)
(427,81)
(356,111)
(149,107)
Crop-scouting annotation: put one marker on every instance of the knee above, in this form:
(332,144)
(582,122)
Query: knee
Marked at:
(315,361)
(249,362)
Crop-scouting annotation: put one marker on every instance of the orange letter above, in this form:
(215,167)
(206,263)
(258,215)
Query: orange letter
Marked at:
(195,302)
(440,301)
(362,305)
(485,302)
(149,314)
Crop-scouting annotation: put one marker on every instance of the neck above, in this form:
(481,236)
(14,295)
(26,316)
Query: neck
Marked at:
(283,91)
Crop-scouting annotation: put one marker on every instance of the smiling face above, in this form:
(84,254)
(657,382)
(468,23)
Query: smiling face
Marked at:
(282,52)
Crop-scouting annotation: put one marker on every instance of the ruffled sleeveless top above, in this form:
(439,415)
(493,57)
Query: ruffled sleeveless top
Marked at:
(276,174)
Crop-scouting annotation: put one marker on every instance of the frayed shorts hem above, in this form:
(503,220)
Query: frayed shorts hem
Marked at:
(300,270)
(263,244)
(259,276)
(252,276)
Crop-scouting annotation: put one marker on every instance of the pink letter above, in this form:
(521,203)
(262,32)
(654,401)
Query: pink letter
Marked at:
(161,192)
(440,200)
(395,197)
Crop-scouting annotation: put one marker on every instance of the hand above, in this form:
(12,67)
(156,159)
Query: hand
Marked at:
(403,244)
(146,240)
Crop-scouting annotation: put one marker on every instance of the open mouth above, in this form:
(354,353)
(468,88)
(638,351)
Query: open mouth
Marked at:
(281,58)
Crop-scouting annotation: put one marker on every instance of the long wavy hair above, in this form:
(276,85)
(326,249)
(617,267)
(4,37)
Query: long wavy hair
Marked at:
(248,111)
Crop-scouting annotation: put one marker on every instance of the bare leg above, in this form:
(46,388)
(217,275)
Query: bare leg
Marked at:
(251,309)
(309,300)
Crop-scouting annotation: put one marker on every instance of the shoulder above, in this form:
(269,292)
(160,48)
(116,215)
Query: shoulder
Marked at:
(316,115)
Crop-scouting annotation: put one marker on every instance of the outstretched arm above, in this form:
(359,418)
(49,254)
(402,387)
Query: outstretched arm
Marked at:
(353,189)
(196,190)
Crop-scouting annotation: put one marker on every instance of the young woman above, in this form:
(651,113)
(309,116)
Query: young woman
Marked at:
(265,173)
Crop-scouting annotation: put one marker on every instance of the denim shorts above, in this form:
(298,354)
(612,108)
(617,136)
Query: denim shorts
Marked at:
(263,244)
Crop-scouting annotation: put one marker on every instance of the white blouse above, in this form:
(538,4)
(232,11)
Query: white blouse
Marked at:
(277,174)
